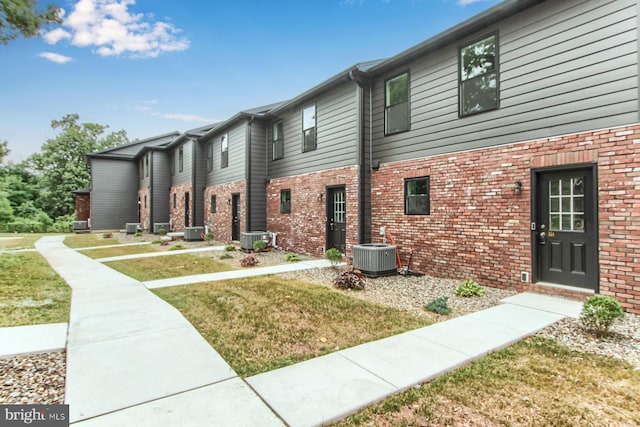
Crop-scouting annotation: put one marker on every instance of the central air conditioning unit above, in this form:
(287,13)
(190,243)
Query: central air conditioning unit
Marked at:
(193,233)
(80,225)
(375,259)
(132,227)
(247,239)
(158,225)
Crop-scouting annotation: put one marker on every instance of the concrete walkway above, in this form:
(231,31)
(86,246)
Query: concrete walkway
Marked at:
(33,339)
(134,360)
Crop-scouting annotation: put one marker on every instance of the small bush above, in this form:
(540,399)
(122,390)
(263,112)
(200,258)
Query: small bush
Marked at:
(291,257)
(226,256)
(440,306)
(107,235)
(207,237)
(249,261)
(259,246)
(176,247)
(333,255)
(599,312)
(349,280)
(470,288)
(162,231)
(230,248)
(138,234)
(156,242)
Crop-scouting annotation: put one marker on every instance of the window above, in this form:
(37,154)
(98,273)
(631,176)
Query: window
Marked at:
(309,128)
(212,205)
(141,169)
(396,104)
(285,201)
(210,156)
(479,76)
(173,162)
(146,162)
(180,159)
(175,200)
(145,202)
(416,196)
(224,146)
(278,140)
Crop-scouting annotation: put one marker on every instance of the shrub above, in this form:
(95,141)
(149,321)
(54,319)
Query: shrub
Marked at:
(176,247)
(249,261)
(349,280)
(225,256)
(230,248)
(156,242)
(439,305)
(333,255)
(599,312)
(138,234)
(162,231)
(291,257)
(470,288)
(259,246)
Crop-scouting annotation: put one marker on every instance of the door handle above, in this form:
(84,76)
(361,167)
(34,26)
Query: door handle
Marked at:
(542,238)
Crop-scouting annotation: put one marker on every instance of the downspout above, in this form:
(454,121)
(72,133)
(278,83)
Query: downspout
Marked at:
(362,214)
(194,176)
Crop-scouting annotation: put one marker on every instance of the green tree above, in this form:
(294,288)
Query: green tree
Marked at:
(20,17)
(61,165)
(4,150)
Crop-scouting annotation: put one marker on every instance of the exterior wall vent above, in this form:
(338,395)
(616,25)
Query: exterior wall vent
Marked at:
(193,233)
(247,239)
(375,259)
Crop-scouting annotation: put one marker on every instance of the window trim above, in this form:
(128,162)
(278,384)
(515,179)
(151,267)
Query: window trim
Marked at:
(224,151)
(386,107)
(406,195)
(285,208)
(175,200)
(213,203)
(181,159)
(146,162)
(279,141)
(305,148)
(496,70)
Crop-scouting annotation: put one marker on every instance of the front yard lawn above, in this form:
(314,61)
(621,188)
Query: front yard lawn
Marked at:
(30,291)
(89,240)
(265,323)
(15,241)
(164,267)
(124,250)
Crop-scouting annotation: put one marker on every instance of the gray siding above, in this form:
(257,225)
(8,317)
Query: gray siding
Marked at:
(336,124)
(235,171)
(366,167)
(114,193)
(257,171)
(565,67)
(144,171)
(184,177)
(160,187)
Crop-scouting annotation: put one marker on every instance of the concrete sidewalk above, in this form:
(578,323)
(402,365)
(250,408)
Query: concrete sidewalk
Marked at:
(162,253)
(132,359)
(33,339)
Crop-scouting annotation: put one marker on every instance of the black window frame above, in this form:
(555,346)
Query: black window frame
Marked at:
(277,143)
(224,151)
(141,168)
(285,201)
(462,112)
(407,104)
(213,204)
(307,144)
(210,156)
(181,159)
(175,200)
(146,163)
(408,206)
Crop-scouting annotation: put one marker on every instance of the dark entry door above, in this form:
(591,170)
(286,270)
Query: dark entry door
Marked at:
(337,219)
(235,217)
(187,209)
(566,228)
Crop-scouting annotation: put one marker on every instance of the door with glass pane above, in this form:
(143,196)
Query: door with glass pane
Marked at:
(337,219)
(566,229)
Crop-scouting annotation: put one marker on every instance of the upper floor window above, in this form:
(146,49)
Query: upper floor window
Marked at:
(180,159)
(173,162)
(278,140)
(141,168)
(285,201)
(146,164)
(210,156)
(309,128)
(479,76)
(416,196)
(396,104)
(224,147)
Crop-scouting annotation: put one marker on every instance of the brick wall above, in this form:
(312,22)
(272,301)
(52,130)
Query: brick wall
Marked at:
(176,212)
(479,228)
(83,207)
(144,206)
(304,229)
(219,223)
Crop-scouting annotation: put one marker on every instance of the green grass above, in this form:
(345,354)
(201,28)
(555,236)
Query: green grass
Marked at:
(124,250)
(30,291)
(264,323)
(88,240)
(535,382)
(164,267)
(19,240)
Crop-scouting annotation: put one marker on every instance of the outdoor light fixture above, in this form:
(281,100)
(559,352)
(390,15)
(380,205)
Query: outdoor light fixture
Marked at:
(517,187)
(320,195)
(229,202)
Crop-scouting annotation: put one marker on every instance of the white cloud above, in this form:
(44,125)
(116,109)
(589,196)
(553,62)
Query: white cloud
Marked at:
(112,29)
(184,117)
(468,2)
(55,57)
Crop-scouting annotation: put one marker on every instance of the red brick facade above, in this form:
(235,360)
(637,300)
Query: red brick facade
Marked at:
(479,227)
(220,222)
(144,208)
(304,229)
(83,206)
(177,206)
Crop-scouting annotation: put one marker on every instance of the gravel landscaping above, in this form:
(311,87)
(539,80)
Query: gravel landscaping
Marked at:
(40,378)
